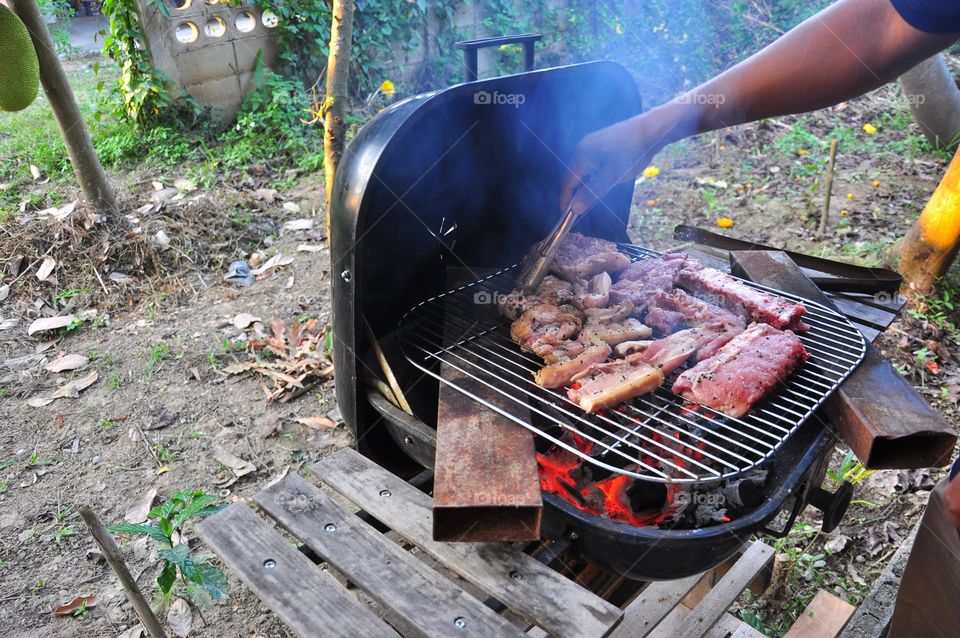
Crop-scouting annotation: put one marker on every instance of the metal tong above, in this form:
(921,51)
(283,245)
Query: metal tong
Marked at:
(536,268)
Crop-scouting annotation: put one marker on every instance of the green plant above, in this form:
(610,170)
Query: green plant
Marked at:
(106,424)
(850,470)
(200,579)
(155,355)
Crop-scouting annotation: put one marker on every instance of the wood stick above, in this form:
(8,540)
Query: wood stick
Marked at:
(114,558)
(385,367)
(828,188)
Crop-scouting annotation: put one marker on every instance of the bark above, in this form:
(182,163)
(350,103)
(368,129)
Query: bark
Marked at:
(934,100)
(338,67)
(83,157)
(930,246)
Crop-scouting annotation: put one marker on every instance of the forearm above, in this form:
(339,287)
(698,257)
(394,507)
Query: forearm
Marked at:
(850,48)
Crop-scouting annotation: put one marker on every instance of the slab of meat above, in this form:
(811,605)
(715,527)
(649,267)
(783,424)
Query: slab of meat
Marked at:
(594,293)
(741,299)
(582,257)
(614,324)
(645,278)
(668,311)
(699,343)
(569,359)
(545,326)
(743,371)
(604,385)
(552,290)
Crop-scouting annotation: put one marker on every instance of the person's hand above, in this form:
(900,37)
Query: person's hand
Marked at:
(951,498)
(608,157)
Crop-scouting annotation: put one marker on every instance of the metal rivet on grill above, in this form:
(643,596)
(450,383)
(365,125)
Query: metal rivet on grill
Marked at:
(408,440)
(345,275)
(386,493)
(516,575)
(573,536)
(460,622)
(330,527)
(269,564)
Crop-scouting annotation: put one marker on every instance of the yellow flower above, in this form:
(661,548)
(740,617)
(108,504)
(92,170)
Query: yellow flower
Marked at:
(869,128)
(651,203)
(876,183)
(651,171)
(724,222)
(802,151)
(387,87)
(849,195)
(844,212)
(722,147)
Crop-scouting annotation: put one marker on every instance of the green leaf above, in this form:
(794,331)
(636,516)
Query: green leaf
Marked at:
(193,508)
(213,581)
(167,577)
(137,529)
(179,555)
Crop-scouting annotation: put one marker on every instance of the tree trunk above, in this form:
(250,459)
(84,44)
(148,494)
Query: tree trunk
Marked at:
(929,247)
(338,67)
(83,157)
(934,100)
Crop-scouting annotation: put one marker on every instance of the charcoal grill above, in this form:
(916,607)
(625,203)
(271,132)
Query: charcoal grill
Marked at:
(458,178)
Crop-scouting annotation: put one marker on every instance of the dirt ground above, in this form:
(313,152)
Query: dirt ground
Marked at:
(163,406)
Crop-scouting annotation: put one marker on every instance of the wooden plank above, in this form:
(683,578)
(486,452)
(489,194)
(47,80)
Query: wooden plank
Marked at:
(878,413)
(729,626)
(653,605)
(308,601)
(824,617)
(400,582)
(715,604)
(863,314)
(519,581)
(486,485)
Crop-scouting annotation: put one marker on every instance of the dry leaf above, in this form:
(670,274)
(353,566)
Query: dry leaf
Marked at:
(318,422)
(50,323)
(296,224)
(244,319)
(35,173)
(137,631)
(67,390)
(309,248)
(69,608)
(180,618)
(67,362)
(140,507)
(273,262)
(46,268)
(238,466)
(291,206)
(4,291)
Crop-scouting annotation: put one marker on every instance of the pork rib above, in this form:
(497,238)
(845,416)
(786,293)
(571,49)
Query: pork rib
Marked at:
(569,359)
(552,290)
(740,299)
(581,257)
(668,311)
(604,385)
(743,371)
(643,279)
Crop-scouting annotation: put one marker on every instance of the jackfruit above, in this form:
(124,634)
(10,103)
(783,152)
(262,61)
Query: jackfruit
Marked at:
(19,67)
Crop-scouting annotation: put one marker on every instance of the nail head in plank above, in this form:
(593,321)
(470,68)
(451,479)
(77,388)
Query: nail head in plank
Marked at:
(715,604)
(432,606)
(517,580)
(307,600)
(824,617)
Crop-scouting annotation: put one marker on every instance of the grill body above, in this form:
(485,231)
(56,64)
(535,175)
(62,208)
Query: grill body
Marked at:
(448,179)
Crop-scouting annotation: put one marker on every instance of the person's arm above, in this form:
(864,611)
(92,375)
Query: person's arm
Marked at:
(846,50)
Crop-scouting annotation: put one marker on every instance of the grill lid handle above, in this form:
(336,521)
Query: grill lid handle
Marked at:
(470,48)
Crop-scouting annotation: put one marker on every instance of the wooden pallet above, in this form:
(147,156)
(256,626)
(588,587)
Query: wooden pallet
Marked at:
(413,598)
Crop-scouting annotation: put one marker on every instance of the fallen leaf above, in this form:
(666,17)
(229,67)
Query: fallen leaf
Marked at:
(273,262)
(291,206)
(837,544)
(140,507)
(4,291)
(180,618)
(268,195)
(67,362)
(69,608)
(23,362)
(297,224)
(244,319)
(309,248)
(46,268)
(160,418)
(50,323)
(119,277)
(235,464)
(35,172)
(317,422)
(70,389)
(273,424)
(157,186)
(137,631)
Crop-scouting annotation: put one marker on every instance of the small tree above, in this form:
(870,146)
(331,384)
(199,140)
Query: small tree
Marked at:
(83,157)
(335,102)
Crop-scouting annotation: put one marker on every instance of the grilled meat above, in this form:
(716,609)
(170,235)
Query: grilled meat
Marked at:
(603,385)
(743,371)
(594,293)
(569,359)
(545,326)
(645,278)
(742,300)
(616,332)
(552,290)
(582,257)
(668,311)
(673,350)
(667,265)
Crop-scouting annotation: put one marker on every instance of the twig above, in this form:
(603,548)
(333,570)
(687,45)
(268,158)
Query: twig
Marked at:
(114,558)
(97,273)
(146,443)
(828,188)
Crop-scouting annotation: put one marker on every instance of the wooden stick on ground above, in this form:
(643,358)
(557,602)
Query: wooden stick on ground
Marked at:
(114,558)
(828,188)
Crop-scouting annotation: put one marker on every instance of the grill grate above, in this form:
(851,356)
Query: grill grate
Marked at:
(659,436)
